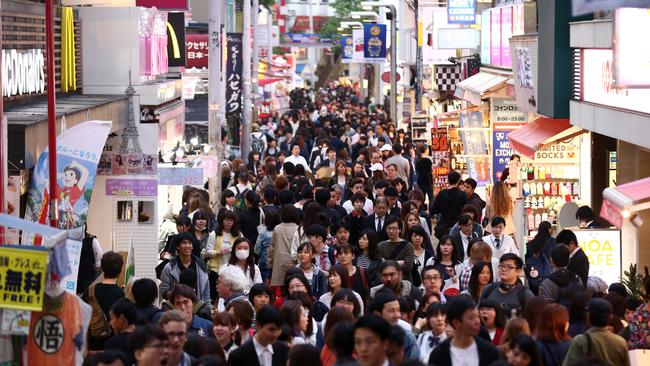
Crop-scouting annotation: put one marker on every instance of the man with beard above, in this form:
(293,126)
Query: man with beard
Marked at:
(390,275)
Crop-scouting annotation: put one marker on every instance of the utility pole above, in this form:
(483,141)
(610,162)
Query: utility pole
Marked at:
(215,84)
(51,109)
(269,29)
(246,56)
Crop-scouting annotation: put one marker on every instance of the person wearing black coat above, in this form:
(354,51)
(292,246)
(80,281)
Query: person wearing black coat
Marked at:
(372,221)
(269,323)
(423,168)
(578,261)
(250,217)
(448,204)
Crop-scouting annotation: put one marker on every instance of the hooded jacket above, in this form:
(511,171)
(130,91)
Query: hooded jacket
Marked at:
(171,273)
(552,285)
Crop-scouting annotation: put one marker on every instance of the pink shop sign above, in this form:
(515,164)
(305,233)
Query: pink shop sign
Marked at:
(132,187)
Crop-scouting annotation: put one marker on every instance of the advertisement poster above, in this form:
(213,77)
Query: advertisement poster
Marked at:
(563,152)
(305,40)
(440,155)
(78,151)
(197,50)
(461,11)
(477,168)
(132,187)
(234,69)
(69,282)
(603,248)
(501,152)
(22,270)
(347,49)
(374,36)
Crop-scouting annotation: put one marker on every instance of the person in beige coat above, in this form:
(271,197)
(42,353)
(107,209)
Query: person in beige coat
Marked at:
(280,248)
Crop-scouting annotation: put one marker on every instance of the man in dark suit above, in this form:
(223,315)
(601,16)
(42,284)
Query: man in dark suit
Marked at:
(377,221)
(448,204)
(464,236)
(462,315)
(262,349)
(587,218)
(578,262)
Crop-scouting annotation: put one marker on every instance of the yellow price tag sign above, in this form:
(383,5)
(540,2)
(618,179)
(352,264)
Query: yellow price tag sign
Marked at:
(22,277)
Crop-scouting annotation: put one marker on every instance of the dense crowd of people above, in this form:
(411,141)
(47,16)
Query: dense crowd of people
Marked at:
(330,248)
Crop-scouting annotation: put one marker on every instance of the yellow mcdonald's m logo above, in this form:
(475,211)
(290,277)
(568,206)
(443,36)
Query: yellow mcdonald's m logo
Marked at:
(175,47)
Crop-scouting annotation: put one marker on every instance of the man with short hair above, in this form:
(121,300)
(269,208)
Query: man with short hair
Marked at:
(391,172)
(262,349)
(587,218)
(402,165)
(464,236)
(396,248)
(469,186)
(377,220)
(149,346)
(354,219)
(509,292)
(500,242)
(448,204)
(578,260)
(183,299)
(371,340)
(598,342)
(465,347)
(230,285)
(185,261)
(558,280)
(122,320)
(390,274)
(317,236)
(431,281)
(322,198)
(145,293)
(107,358)
(357,187)
(296,159)
(386,305)
(174,324)
(394,206)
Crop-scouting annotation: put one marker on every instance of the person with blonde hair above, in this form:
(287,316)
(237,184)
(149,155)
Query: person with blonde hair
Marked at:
(514,327)
(500,204)
(479,251)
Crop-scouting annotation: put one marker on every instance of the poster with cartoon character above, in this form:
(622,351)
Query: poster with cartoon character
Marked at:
(78,153)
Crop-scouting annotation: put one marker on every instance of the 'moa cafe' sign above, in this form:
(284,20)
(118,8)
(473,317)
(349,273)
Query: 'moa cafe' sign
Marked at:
(23,72)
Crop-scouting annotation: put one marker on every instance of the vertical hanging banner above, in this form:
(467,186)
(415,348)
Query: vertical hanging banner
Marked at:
(176,39)
(374,39)
(347,49)
(78,150)
(234,71)
(501,152)
(357,40)
(461,11)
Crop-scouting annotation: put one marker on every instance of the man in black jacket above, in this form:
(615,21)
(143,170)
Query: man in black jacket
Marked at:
(465,347)
(448,204)
(578,261)
(557,281)
(377,221)
(262,348)
(469,185)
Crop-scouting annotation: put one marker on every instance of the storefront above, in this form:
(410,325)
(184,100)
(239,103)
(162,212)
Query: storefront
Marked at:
(611,85)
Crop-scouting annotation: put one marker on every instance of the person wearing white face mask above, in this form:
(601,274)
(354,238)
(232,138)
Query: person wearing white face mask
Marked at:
(244,260)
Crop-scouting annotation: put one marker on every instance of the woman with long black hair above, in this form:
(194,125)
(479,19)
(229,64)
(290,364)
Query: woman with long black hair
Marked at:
(242,257)
(481,277)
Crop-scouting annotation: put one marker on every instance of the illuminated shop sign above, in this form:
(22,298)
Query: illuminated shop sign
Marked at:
(22,72)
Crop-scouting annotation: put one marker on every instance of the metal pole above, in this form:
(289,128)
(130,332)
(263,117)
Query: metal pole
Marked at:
(393,65)
(246,55)
(214,84)
(51,107)
(269,29)
(256,51)
(418,62)
(223,8)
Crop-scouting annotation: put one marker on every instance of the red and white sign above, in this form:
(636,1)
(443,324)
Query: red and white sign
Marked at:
(163,4)
(197,50)
(598,85)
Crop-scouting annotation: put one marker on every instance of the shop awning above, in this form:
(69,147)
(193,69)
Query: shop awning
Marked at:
(542,131)
(624,200)
(475,87)
(264,82)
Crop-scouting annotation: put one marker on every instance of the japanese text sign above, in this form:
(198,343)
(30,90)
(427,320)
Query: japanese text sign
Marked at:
(374,36)
(197,50)
(461,11)
(132,187)
(234,70)
(501,152)
(22,277)
(180,176)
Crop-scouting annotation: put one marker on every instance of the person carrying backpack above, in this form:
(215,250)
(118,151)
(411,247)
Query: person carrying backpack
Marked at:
(509,292)
(538,254)
(554,285)
(240,190)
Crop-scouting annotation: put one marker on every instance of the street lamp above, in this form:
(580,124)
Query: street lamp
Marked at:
(393,51)
(360,14)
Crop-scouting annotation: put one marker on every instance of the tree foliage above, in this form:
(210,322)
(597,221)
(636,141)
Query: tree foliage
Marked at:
(342,8)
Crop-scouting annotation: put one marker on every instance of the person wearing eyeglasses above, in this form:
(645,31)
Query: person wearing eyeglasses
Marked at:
(148,345)
(509,292)
(174,325)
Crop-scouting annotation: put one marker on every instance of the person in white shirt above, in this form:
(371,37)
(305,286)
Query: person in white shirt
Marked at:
(296,159)
(465,347)
(434,326)
(498,241)
(356,186)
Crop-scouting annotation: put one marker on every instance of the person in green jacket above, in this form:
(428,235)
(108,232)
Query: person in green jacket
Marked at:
(598,342)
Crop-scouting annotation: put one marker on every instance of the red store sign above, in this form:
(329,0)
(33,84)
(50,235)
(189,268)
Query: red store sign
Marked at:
(197,50)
